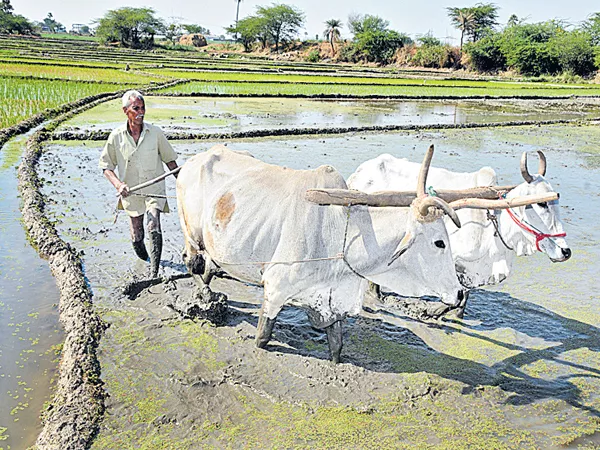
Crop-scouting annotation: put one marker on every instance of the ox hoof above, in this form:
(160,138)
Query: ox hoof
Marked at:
(436,310)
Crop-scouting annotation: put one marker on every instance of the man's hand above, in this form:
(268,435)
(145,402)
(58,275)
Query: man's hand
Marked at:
(123,190)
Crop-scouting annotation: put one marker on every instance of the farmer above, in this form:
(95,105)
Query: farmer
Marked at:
(138,150)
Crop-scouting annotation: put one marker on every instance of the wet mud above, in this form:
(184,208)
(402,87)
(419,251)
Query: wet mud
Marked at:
(103,135)
(521,370)
(71,418)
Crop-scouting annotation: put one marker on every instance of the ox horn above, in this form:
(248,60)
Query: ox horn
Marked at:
(542,166)
(541,169)
(422,181)
(441,204)
(526,175)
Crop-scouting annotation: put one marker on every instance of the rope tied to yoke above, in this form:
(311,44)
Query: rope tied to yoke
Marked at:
(341,255)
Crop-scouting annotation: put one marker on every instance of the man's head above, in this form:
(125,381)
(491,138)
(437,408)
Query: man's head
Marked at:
(134,107)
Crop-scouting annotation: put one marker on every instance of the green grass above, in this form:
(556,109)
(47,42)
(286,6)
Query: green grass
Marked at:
(225,88)
(20,99)
(379,80)
(69,37)
(75,73)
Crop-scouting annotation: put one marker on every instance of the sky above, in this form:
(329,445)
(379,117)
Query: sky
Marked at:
(414,18)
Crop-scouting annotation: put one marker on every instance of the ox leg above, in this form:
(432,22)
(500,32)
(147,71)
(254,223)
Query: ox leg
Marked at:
(334,338)
(264,330)
(271,306)
(436,310)
(460,310)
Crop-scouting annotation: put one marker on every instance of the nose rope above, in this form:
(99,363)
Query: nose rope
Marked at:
(539,236)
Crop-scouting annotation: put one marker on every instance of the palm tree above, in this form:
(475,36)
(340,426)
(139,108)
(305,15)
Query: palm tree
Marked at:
(237,15)
(332,32)
(464,20)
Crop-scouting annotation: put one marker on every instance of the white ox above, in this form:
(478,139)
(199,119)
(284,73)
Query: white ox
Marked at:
(252,220)
(482,254)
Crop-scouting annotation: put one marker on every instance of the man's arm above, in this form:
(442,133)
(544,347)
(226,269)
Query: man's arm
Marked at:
(172,165)
(121,187)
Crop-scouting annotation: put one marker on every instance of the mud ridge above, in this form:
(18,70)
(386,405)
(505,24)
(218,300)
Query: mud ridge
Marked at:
(101,135)
(72,419)
(379,97)
(374,84)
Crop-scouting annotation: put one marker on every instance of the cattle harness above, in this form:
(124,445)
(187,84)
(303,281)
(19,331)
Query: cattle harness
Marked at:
(539,236)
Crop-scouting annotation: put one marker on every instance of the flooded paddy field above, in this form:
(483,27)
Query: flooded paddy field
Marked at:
(240,115)
(30,336)
(521,370)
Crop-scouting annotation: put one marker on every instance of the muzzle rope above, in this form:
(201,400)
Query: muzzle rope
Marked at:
(539,236)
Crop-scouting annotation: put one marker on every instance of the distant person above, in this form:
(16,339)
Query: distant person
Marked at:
(138,150)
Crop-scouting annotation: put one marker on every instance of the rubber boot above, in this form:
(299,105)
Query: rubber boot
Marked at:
(140,250)
(156,244)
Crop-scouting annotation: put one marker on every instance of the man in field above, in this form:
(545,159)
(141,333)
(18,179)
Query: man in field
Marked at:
(138,150)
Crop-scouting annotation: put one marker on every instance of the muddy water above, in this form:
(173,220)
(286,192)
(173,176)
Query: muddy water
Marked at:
(28,318)
(521,370)
(236,115)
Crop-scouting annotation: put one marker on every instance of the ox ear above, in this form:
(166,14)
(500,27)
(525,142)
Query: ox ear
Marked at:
(404,245)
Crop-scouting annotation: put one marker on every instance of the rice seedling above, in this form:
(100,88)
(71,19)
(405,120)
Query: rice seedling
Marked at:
(224,88)
(20,99)
(380,79)
(74,73)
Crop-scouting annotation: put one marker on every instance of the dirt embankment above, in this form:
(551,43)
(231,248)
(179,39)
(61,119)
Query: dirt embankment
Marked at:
(72,418)
(102,135)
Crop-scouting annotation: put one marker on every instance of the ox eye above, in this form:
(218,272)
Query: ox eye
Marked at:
(543,205)
(440,244)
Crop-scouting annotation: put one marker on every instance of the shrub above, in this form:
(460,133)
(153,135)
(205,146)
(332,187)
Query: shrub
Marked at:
(313,56)
(534,59)
(575,52)
(348,52)
(485,55)
(435,56)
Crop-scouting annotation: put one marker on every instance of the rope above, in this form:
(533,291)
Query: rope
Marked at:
(539,236)
(341,255)
(494,219)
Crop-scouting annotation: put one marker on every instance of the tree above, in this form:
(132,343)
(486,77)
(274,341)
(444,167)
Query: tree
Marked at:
(237,14)
(52,24)
(463,19)
(592,26)
(332,32)
(373,41)
(359,23)
(513,20)
(13,23)
(249,30)
(173,32)
(575,52)
(195,29)
(485,18)
(6,7)
(132,27)
(474,21)
(282,22)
